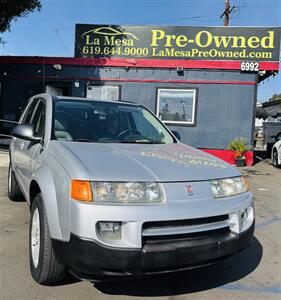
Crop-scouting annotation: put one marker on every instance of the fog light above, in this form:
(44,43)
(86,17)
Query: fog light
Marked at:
(109,230)
(243,215)
(246,218)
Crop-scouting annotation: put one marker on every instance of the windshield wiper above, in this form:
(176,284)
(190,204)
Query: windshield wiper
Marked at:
(141,141)
(84,140)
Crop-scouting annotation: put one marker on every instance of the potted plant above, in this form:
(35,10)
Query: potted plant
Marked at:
(239,147)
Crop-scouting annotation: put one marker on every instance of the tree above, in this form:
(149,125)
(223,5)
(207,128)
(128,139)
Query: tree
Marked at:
(274,97)
(10,10)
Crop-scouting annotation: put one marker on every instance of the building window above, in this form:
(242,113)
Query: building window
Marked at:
(57,90)
(105,92)
(176,106)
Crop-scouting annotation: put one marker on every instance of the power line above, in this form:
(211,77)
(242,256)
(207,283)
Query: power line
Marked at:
(56,31)
(45,28)
(186,18)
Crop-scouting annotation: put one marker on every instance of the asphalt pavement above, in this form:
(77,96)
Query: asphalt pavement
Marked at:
(255,273)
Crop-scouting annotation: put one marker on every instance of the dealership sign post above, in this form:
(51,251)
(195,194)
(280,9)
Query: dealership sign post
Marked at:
(251,44)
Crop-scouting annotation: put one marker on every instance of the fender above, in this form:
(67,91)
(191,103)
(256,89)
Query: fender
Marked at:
(57,207)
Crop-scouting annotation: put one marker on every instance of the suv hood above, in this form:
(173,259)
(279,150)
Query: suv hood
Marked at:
(139,162)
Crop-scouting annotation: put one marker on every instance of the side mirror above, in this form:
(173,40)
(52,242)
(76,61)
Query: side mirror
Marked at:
(176,134)
(25,132)
(273,137)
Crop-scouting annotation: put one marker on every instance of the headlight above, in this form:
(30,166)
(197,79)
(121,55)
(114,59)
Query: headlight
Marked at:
(229,187)
(127,192)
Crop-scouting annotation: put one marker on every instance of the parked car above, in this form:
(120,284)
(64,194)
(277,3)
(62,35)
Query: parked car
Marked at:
(272,140)
(114,193)
(276,151)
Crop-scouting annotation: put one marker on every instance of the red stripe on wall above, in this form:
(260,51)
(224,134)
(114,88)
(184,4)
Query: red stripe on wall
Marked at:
(131,80)
(178,81)
(137,63)
(227,155)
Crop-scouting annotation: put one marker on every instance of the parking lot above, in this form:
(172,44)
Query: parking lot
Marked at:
(255,273)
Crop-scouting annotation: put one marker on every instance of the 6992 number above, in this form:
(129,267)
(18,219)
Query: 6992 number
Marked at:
(249,66)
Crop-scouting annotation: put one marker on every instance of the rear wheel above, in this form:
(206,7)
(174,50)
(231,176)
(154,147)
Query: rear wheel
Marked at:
(14,192)
(43,264)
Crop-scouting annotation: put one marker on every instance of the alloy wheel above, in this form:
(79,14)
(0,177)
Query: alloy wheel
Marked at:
(35,237)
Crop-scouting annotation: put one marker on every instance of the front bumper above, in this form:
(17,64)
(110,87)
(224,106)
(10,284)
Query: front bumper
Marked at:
(88,258)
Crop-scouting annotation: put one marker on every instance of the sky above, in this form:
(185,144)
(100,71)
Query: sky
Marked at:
(50,32)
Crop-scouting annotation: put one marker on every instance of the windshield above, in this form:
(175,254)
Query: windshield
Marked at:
(93,121)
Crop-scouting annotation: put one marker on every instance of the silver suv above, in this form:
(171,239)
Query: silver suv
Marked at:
(112,192)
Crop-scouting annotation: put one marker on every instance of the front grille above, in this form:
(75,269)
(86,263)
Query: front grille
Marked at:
(189,222)
(176,238)
(176,230)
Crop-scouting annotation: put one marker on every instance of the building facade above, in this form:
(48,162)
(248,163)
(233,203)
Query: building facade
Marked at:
(208,101)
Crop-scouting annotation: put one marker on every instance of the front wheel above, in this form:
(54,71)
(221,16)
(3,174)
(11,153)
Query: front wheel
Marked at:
(275,159)
(43,264)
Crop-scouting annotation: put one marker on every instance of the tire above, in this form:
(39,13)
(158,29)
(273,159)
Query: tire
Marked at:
(275,159)
(44,267)
(14,192)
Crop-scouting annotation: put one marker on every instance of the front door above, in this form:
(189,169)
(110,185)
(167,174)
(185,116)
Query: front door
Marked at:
(27,151)
(21,145)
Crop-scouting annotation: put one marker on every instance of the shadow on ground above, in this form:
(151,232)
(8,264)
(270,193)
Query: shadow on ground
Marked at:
(69,279)
(191,281)
(252,171)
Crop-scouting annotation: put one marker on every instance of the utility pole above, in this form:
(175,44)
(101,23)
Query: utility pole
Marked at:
(226,15)
(227,12)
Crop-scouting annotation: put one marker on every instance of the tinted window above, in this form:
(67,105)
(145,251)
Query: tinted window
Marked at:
(102,122)
(28,114)
(38,120)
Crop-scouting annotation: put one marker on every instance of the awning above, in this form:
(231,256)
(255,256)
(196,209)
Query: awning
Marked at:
(269,109)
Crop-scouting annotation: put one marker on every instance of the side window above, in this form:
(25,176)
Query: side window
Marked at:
(38,120)
(28,114)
